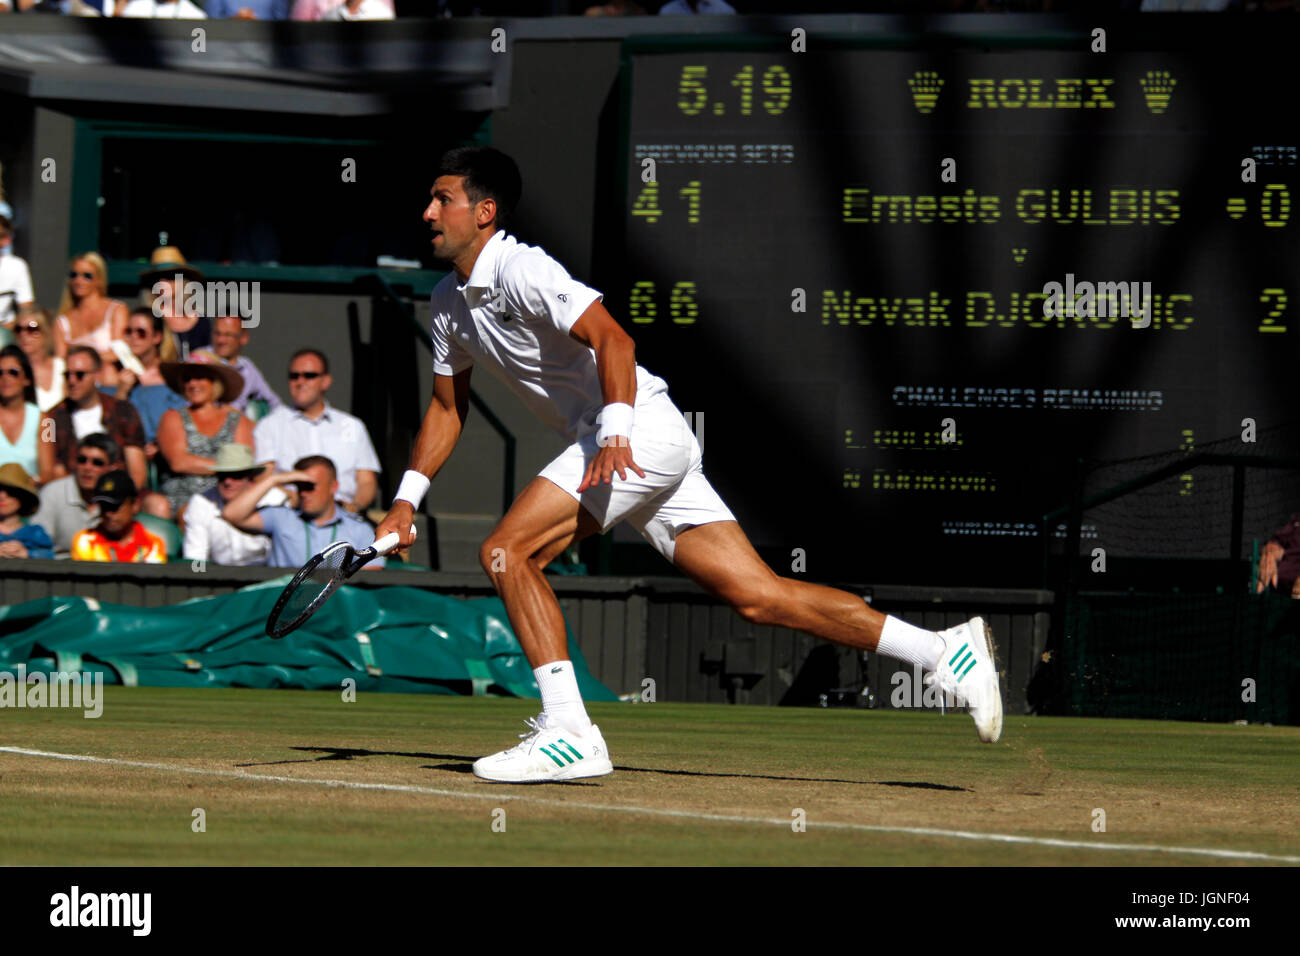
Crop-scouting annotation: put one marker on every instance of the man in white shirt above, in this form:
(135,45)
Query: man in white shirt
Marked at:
(309,425)
(162,10)
(15,280)
(515,310)
(209,536)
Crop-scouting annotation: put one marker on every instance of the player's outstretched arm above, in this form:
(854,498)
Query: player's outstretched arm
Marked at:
(443,423)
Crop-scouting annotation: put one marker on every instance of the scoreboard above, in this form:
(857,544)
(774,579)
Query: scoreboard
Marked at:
(900,286)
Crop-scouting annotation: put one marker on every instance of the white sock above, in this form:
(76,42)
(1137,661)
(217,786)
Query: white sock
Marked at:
(561,701)
(911,644)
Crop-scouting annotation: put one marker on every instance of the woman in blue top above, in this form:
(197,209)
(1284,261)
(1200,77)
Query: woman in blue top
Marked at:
(152,343)
(18,500)
(20,418)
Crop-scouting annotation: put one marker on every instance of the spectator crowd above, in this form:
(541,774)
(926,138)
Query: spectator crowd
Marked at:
(211,9)
(391,9)
(146,434)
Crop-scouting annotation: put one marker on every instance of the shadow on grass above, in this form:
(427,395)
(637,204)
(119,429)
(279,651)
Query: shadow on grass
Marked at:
(465,765)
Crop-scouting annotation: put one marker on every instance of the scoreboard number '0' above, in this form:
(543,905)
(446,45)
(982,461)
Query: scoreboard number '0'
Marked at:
(643,308)
(693,92)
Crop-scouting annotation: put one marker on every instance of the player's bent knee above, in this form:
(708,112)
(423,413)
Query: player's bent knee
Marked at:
(495,557)
(757,598)
(757,605)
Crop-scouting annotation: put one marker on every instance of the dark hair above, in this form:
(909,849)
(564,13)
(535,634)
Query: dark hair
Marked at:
(87,350)
(304,463)
(324,362)
(18,355)
(167,351)
(104,442)
(487,173)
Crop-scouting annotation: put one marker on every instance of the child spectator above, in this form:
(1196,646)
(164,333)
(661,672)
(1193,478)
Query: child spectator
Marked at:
(118,536)
(20,538)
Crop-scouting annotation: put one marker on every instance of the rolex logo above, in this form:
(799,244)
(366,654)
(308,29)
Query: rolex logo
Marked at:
(925,86)
(1157,87)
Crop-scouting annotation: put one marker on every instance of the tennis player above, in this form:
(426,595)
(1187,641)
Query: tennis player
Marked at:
(514,309)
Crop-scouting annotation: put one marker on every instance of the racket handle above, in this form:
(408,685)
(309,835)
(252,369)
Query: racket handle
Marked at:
(389,541)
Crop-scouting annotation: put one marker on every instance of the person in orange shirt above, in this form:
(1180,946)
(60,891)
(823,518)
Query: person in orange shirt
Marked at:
(118,536)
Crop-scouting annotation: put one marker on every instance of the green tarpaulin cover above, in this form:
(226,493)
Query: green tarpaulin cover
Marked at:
(386,639)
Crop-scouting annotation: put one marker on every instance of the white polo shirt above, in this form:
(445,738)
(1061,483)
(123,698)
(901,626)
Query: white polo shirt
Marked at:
(157,9)
(286,434)
(15,287)
(513,316)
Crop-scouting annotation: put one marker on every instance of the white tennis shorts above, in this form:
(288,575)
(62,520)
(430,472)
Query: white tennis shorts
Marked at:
(674,494)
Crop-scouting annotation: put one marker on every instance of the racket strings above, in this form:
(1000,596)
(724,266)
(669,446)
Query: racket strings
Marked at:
(313,585)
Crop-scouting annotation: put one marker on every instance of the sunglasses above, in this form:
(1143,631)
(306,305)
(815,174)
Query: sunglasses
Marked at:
(85,275)
(12,372)
(97,462)
(31,327)
(139,333)
(75,375)
(237,475)
(294,376)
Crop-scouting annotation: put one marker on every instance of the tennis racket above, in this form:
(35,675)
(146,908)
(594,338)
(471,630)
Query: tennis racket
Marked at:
(320,577)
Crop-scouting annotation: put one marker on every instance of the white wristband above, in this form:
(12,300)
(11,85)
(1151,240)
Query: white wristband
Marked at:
(615,420)
(412,489)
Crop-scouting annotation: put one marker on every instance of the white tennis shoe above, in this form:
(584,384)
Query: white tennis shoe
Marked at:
(968,669)
(548,754)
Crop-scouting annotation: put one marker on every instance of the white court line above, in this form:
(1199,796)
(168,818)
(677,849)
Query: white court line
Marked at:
(498,797)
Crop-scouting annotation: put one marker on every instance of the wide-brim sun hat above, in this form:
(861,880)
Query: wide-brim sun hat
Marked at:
(165,263)
(15,480)
(206,361)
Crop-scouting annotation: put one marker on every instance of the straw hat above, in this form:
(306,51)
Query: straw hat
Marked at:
(207,361)
(165,263)
(15,480)
(235,459)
